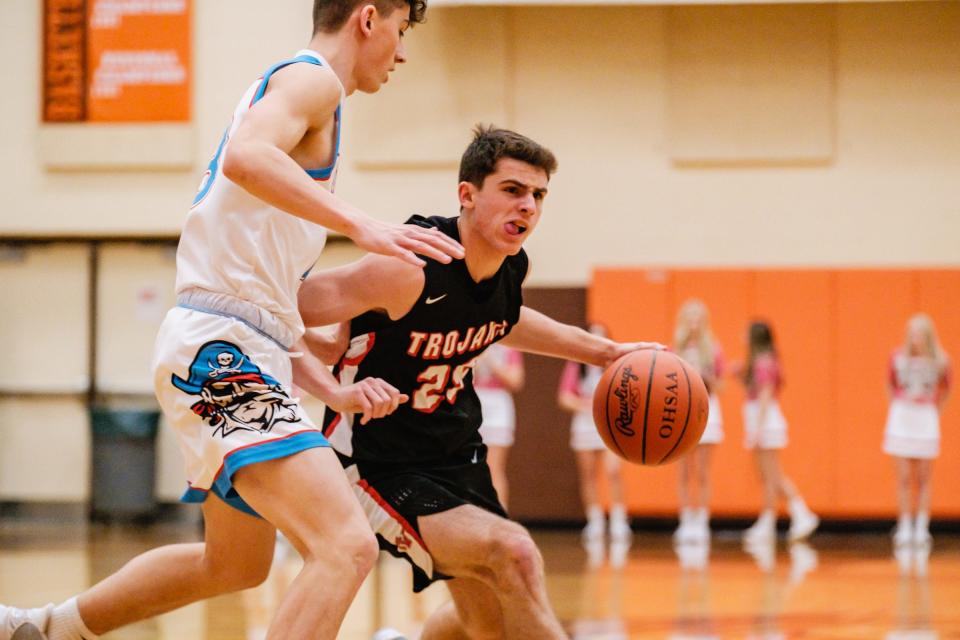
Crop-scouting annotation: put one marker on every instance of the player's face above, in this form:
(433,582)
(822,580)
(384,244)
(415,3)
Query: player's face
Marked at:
(507,207)
(382,49)
(917,339)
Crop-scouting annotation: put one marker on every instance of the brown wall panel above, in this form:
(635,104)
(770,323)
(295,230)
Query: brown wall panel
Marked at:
(541,466)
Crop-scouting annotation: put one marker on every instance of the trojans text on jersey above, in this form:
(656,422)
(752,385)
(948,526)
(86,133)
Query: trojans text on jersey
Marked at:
(433,346)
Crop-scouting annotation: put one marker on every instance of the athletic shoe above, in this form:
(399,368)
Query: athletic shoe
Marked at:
(803,522)
(620,530)
(19,624)
(763,531)
(903,533)
(594,530)
(27,631)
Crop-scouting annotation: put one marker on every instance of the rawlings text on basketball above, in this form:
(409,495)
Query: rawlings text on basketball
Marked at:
(629,400)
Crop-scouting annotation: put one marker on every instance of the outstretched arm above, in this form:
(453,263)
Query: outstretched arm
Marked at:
(373,283)
(538,333)
(303,98)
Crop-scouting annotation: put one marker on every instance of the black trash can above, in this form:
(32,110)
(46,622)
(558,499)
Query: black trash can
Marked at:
(124,463)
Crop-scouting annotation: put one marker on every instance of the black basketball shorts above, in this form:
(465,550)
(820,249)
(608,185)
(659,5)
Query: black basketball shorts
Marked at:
(394,496)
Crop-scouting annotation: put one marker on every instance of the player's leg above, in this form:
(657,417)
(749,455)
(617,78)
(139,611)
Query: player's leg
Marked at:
(684,527)
(903,532)
(497,461)
(468,542)
(308,498)
(473,612)
(619,524)
(922,469)
(769,477)
(236,554)
(703,456)
(587,463)
(764,530)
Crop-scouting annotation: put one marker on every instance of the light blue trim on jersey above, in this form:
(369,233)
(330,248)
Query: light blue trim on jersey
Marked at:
(236,460)
(224,314)
(326,172)
(212,169)
(198,496)
(316,174)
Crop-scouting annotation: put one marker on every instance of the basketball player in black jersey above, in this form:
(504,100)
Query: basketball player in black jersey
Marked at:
(420,473)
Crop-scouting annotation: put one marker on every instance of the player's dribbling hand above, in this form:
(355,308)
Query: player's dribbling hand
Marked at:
(404,241)
(370,397)
(623,348)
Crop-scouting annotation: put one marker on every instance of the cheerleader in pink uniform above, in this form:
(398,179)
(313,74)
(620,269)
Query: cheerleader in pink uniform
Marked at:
(694,342)
(918,382)
(766,434)
(498,375)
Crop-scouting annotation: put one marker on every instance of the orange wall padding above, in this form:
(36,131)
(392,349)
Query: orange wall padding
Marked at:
(835,330)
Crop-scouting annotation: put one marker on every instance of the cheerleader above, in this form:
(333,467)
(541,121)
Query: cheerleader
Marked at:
(918,383)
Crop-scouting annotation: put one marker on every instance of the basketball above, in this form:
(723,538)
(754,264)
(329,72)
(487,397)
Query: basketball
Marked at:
(650,407)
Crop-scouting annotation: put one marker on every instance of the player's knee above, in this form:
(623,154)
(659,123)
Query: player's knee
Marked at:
(239,574)
(354,552)
(515,556)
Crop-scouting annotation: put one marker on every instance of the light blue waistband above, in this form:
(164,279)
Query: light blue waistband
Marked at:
(227,306)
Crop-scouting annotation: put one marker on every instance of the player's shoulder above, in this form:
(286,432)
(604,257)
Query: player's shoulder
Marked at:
(444,224)
(312,86)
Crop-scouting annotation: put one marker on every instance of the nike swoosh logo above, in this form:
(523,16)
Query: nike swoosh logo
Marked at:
(437,299)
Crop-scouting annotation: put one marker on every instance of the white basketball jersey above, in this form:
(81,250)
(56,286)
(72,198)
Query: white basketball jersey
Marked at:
(234,243)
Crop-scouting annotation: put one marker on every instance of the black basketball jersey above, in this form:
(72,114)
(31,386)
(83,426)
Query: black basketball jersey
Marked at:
(428,354)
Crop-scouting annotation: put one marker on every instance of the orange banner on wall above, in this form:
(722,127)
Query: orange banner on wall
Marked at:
(117,60)
(64,52)
(138,60)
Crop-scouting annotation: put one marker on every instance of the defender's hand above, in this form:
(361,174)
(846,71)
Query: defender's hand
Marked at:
(405,240)
(370,397)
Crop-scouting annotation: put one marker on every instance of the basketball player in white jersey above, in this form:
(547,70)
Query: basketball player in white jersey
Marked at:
(225,356)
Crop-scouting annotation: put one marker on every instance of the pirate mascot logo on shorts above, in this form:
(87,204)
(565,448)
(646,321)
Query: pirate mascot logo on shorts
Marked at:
(234,393)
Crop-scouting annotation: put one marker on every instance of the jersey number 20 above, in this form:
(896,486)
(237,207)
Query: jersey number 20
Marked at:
(432,392)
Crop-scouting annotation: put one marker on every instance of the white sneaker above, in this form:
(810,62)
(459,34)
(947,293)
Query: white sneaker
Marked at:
(620,530)
(594,530)
(701,526)
(903,533)
(803,522)
(23,624)
(388,634)
(763,531)
(685,533)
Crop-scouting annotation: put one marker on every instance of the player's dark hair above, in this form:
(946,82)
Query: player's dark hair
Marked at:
(330,15)
(490,144)
(760,338)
